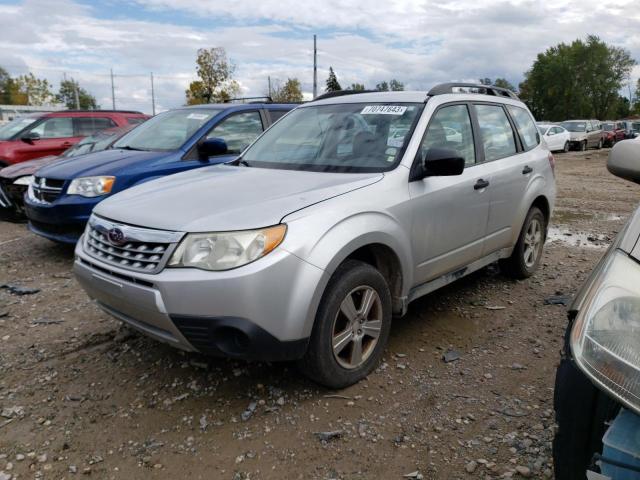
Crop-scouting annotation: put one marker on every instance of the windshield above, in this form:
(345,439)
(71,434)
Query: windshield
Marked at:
(95,143)
(608,127)
(575,126)
(167,131)
(542,129)
(348,137)
(10,129)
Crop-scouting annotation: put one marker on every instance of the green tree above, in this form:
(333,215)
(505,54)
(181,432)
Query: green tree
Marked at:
(636,99)
(67,95)
(622,108)
(215,78)
(382,86)
(504,83)
(30,90)
(4,85)
(395,85)
(358,87)
(581,79)
(332,82)
(291,91)
(486,81)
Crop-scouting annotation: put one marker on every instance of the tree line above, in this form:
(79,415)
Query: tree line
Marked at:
(582,79)
(31,90)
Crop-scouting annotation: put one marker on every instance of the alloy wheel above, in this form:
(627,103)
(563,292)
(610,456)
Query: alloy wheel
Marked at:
(533,240)
(357,327)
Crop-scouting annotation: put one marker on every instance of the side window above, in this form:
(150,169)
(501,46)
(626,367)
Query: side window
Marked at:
(497,135)
(87,126)
(55,127)
(526,127)
(276,114)
(450,127)
(238,130)
(135,120)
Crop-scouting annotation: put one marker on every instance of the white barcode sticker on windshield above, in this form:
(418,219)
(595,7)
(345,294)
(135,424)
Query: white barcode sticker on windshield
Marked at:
(383,110)
(198,116)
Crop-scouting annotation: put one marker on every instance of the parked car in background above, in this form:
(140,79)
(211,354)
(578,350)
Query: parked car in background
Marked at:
(631,128)
(557,138)
(40,135)
(613,132)
(584,133)
(597,391)
(61,197)
(305,246)
(15,179)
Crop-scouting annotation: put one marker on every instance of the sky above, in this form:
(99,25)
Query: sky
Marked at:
(420,43)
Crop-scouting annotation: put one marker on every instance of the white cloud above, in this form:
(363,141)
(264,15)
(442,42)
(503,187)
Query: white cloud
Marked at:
(420,43)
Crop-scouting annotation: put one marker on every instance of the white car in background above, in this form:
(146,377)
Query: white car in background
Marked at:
(558,138)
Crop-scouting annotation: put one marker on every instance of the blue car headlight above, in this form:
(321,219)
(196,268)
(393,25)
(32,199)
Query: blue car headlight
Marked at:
(605,339)
(91,186)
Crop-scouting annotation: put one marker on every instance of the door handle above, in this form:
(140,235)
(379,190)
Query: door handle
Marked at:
(480,184)
(527,170)
(66,144)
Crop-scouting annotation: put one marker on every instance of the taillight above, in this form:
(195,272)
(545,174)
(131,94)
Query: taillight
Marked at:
(552,164)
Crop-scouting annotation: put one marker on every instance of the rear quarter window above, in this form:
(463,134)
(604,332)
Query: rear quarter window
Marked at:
(275,115)
(526,127)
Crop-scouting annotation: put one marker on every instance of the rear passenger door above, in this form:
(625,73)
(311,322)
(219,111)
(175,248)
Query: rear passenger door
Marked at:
(449,213)
(514,165)
(87,126)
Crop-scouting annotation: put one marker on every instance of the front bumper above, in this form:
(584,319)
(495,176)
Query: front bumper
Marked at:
(262,311)
(63,220)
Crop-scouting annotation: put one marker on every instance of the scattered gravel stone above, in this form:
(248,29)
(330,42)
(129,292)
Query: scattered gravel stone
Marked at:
(471,466)
(451,356)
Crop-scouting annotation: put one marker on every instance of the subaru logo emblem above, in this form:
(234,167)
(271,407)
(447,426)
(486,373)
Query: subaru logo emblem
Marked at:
(116,236)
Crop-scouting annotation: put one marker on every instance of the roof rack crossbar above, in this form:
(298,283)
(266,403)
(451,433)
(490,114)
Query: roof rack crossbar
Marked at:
(444,88)
(263,99)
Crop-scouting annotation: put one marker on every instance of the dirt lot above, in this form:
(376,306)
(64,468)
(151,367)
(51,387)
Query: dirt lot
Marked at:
(80,396)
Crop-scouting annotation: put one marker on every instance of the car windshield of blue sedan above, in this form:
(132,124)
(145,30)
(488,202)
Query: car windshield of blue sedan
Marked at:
(167,131)
(16,126)
(348,137)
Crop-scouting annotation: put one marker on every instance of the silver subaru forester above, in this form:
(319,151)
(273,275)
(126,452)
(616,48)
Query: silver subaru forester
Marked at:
(330,223)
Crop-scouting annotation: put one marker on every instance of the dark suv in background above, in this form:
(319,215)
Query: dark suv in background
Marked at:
(39,135)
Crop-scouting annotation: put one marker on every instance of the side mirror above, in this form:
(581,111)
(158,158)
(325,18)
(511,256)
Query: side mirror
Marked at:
(624,160)
(442,162)
(212,147)
(30,137)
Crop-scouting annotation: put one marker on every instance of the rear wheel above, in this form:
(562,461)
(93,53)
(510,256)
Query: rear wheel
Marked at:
(351,328)
(527,254)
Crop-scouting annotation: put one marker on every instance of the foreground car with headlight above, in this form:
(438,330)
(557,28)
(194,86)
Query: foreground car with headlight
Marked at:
(338,216)
(597,397)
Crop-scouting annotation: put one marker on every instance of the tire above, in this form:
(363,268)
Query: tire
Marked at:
(527,254)
(565,149)
(338,367)
(599,146)
(583,146)
(582,412)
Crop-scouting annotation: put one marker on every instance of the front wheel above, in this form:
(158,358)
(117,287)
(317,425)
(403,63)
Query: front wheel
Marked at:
(583,146)
(565,149)
(599,146)
(527,254)
(351,328)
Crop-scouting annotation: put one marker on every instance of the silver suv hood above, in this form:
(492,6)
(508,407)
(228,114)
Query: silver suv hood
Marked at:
(226,198)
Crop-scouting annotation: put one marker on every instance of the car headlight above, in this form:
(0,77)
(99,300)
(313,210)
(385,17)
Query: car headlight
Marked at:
(24,180)
(91,186)
(605,338)
(226,250)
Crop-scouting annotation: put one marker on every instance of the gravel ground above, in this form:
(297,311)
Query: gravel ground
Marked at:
(79,395)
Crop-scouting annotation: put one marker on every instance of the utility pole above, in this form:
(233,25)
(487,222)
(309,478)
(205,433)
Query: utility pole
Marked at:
(315,68)
(269,80)
(75,88)
(153,96)
(113,92)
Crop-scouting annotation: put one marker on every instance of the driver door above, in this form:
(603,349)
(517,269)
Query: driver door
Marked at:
(56,135)
(449,213)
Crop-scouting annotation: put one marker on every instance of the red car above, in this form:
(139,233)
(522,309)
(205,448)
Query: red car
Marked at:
(612,132)
(44,134)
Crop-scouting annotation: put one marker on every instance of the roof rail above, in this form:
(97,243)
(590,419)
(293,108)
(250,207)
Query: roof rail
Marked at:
(265,99)
(455,87)
(98,110)
(340,93)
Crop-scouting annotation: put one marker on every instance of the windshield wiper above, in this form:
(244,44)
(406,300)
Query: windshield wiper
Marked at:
(129,147)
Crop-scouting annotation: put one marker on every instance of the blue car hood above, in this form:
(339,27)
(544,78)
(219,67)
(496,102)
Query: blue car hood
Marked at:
(106,162)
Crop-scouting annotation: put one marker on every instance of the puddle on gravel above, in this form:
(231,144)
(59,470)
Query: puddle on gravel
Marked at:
(565,217)
(577,239)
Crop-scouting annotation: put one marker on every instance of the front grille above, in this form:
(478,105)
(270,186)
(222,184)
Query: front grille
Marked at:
(47,189)
(133,248)
(5,202)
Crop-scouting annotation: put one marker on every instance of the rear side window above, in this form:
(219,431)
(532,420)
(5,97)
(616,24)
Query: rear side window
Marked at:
(238,130)
(498,140)
(526,127)
(89,125)
(276,114)
(450,128)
